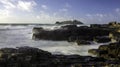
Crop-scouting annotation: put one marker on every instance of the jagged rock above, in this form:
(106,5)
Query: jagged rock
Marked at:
(111,51)
(34,57)
(70,33)
(81,42)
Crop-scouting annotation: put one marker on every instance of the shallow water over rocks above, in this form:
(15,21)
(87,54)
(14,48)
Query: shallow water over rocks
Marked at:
(16,36)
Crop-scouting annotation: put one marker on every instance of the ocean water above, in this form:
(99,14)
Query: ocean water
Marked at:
(21,35)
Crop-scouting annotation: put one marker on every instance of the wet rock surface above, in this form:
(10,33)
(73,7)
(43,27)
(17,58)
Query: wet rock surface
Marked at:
(102,39)
(72,33)
(110,51)
(106,55)
(34,57)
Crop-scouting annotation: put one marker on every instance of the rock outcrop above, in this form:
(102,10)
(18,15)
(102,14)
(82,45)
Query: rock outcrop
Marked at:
(71,33)
(102,39)
(100,33)
(110,52)
(34,57)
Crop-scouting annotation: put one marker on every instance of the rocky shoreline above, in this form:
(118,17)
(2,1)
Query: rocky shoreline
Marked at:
(106,55)
(34,57)
(100,33)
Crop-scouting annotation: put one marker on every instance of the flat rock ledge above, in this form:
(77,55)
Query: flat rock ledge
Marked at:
(34,57)
(72,33)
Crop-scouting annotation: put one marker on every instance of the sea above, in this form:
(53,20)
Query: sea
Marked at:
(12,36)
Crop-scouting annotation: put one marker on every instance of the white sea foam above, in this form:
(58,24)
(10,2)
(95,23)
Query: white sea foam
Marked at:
(17,36)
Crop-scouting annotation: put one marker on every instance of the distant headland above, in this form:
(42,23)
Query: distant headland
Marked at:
(69,22)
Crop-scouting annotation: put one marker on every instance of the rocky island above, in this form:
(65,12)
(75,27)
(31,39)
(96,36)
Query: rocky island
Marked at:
(69,22)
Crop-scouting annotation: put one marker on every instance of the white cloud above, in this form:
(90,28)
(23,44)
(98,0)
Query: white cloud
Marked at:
(96,18)
(47,18)
(26,5)
(44,6)
(98,15)
(63,12)
(7,4)
(88,15)
(101,15)
(4,13)
(43,15)
(8,9)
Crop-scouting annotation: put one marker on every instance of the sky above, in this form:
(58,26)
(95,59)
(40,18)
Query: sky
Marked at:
(50,11)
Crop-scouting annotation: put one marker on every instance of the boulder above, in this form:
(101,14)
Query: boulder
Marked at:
(103,47)
(93,51)
(37,30)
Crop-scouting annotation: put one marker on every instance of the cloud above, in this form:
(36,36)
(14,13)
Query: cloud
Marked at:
(9,9)
(98,15)
(101,15)
(7,4)
(97,18)
(50,18)
(43,15)
(63,12)
(44,6)
(117,10)
(4,13)
(26,5)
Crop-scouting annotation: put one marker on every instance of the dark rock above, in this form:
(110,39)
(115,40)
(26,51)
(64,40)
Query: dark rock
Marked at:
(69,26)
(103,47)
(34,57)
(111,51)
(103,54)
(102,39)
(81,42)
(37,30)
(69,22)
(72,32)
(85,38)
(99,26)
